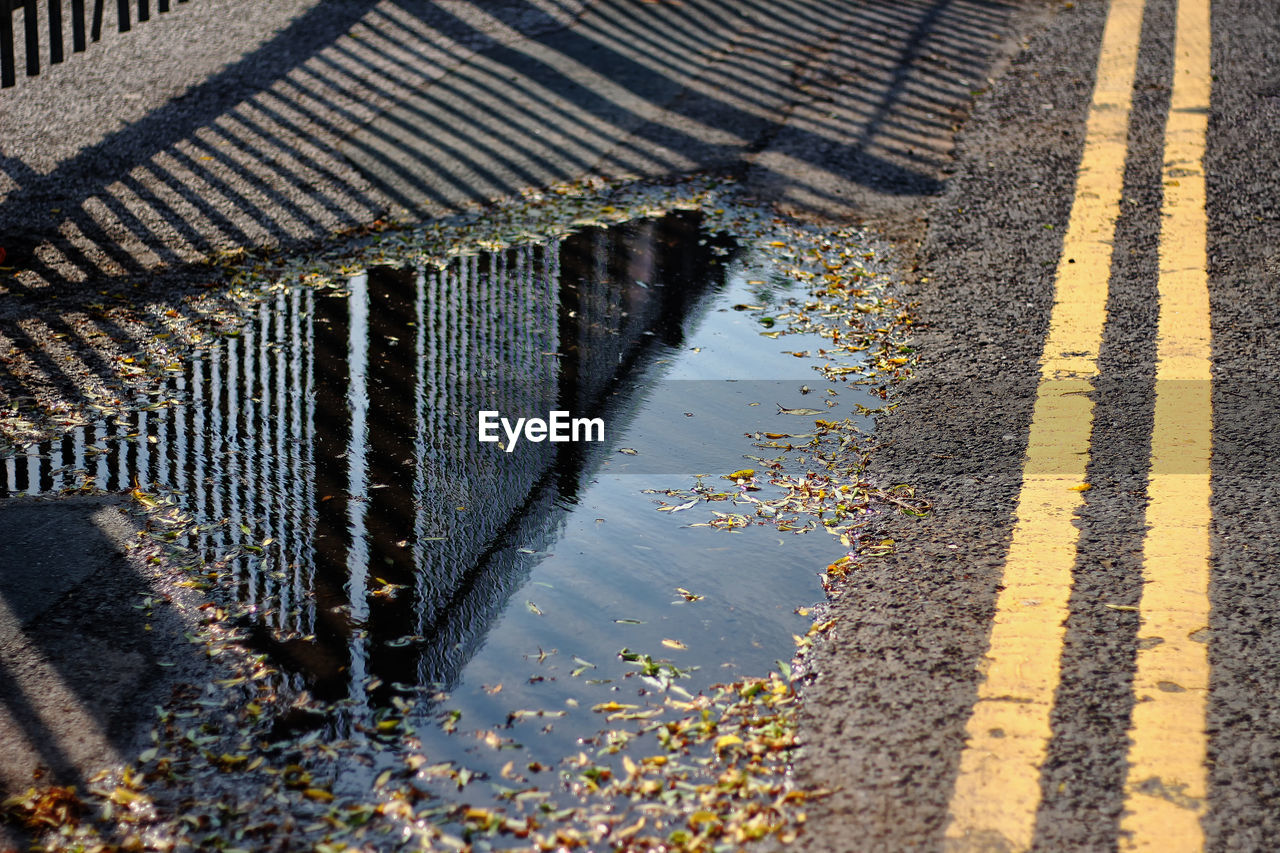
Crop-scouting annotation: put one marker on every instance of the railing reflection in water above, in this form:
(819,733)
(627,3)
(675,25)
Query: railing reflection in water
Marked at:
(336,434)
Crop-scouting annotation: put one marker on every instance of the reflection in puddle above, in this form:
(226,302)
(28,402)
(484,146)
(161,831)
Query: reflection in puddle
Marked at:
(330,454)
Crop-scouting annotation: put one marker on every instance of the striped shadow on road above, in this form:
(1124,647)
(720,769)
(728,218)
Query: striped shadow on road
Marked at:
(998,789)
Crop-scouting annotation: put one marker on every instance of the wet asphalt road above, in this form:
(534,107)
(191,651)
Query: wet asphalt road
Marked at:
(840,110)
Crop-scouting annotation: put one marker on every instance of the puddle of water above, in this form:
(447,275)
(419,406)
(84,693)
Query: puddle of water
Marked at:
(330,453)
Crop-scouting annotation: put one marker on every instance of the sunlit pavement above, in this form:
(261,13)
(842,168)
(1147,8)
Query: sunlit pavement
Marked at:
(292,120)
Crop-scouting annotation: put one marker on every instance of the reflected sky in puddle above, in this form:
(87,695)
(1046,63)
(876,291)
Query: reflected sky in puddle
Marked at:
(331,451)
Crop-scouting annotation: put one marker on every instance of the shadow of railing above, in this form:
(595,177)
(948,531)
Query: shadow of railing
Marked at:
(50,39)
(356,108)
(89,642)
(359,107)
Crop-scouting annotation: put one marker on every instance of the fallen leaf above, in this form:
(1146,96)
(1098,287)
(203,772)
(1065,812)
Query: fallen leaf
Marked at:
(725,741)
(783,410)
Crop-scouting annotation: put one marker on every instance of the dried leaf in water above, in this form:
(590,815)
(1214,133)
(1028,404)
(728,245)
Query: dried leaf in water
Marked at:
(726,741)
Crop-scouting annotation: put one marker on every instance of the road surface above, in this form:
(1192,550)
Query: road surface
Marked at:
(1076,651)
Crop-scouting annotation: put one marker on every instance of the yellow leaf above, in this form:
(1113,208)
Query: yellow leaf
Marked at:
(674,644)
(726,741)
(613,706)
(124,797)
(628,831)
(318,794)
(819,627)
(1083,487)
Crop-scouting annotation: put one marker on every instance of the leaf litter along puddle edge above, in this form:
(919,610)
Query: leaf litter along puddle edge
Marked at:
(691,769)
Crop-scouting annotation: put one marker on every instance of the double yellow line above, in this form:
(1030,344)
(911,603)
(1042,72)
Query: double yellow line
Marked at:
(997,793)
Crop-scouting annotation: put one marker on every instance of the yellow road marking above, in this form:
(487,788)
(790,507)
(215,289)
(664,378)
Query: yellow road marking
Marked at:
(997,791)
(1167,780)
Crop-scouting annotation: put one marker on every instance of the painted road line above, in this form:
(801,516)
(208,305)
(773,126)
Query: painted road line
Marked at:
(997,791)
(1167,779)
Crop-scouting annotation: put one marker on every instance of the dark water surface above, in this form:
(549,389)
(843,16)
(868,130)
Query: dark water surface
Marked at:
(330,452)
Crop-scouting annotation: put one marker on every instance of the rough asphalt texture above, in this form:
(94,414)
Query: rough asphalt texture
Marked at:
(886,717)
(277,123)
(90,641)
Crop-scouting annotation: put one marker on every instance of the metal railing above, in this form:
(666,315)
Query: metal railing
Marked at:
(84,28)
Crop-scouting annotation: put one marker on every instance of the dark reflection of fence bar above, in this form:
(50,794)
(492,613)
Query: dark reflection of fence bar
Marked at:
(330,449)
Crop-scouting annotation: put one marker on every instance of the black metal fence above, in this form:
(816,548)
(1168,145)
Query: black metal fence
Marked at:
(86,25)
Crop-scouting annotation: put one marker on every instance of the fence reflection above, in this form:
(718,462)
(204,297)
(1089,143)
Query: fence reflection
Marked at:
(330,447)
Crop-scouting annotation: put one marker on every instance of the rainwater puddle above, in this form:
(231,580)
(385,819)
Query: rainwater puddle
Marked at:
(330,455)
